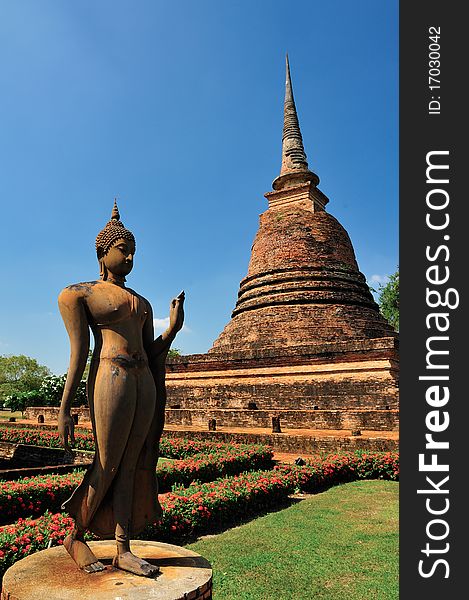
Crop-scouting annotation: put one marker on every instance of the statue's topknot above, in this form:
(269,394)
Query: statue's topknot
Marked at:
(113,231)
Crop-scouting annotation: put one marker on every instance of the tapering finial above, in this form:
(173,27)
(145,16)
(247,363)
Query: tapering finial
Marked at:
(115,211)
(294,163)
(293,152)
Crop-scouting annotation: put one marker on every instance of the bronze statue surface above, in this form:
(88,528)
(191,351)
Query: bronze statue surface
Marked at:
(126,395)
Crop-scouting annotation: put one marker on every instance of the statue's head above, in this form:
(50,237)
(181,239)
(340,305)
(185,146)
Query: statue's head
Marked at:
(115,247)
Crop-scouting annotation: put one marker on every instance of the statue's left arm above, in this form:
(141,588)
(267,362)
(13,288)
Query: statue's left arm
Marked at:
(158,349)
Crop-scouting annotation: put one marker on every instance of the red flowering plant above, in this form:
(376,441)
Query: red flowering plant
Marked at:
(39,436)
(32,495)
(202,508)
(27,536)
(363,464)
(186,511)
(183,448)
(319,474)
(378,465)
(227,459)
(36,436)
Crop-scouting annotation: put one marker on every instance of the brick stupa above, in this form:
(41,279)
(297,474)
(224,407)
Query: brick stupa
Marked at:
(306,341)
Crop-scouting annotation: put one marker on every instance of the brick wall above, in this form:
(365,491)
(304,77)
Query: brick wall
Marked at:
(50,413)
(285,442)
(327,386)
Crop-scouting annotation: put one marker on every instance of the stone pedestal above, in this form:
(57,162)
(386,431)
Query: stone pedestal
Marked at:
(52,575)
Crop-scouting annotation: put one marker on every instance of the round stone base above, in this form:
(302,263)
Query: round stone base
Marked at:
(53,575)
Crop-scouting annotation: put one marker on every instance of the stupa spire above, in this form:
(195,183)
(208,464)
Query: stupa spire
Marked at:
(293,152)
(294,164)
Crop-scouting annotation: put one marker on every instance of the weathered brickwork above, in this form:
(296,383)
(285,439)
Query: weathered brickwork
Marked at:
(307,419)
(303,286)
(51,413)
(334,386)
(288,442)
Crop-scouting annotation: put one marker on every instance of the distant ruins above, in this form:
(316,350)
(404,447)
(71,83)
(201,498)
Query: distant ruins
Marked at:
(306,342)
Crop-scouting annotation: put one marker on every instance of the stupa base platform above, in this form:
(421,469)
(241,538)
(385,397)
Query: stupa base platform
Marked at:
(52,575)
(305,441)
(334,387)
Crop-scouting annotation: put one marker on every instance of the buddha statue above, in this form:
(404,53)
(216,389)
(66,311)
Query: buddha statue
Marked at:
(126,395)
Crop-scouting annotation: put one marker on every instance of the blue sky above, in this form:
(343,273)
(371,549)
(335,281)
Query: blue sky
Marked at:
(176,108)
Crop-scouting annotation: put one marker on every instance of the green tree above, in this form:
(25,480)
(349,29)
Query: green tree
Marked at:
(21,400)
(52,388)
(20,374)
(87,366)
(174,352)
(389,300)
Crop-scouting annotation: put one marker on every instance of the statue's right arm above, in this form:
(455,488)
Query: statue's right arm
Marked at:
(72,309)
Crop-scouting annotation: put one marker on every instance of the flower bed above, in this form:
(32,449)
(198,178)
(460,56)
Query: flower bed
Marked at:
(37,436)
(184,448)
(340,468)
(226,459)
(202,508)
(195,509)
(32,495)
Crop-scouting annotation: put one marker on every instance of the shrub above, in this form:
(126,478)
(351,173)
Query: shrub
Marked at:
(39,436)
(20,400)
(227,460)
(52,388)
(32,495)
(196,509)
(389,300)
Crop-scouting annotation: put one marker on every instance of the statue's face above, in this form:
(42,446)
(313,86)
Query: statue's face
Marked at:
(119,259)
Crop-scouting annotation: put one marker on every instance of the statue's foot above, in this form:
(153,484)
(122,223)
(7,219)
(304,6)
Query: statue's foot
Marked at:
(131,563)
(82,555)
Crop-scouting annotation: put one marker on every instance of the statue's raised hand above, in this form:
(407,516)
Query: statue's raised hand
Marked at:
(176,312)
(66,430)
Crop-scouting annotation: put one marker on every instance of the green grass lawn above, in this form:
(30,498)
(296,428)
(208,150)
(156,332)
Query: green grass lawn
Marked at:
(340,545)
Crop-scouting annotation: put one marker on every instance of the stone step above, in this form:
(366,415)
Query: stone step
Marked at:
(307,442)
(269,403)
(382,420)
